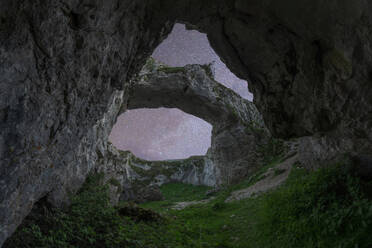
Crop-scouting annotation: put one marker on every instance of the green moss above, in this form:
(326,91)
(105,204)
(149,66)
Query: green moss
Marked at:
(171,69)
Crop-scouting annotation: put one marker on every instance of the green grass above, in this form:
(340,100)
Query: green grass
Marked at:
(177,192)
(327,208)
(330,207)
(171,69)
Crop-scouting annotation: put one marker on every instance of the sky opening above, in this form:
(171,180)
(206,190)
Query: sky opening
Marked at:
(163,134)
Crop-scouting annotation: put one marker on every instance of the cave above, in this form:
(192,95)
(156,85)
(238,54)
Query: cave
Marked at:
(68,70)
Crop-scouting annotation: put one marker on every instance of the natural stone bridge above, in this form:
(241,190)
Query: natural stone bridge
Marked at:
(238,128)
(237,137)
(193,90)
(65,68)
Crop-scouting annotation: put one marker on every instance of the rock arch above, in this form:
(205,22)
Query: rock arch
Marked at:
(193,90)
(237,137)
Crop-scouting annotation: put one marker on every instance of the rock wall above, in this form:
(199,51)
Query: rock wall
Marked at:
(130,178)
(308,62)
(64,70)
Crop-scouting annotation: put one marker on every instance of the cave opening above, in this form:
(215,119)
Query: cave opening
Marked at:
(166,133)
(66,66)
(188,46)
(161,134)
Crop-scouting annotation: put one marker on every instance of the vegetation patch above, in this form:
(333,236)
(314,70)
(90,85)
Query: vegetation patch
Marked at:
(139,214)
(327,208)
(330,207)
(167,69)
(177,192)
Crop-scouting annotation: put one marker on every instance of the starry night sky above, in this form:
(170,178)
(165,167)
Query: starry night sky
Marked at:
(160,134)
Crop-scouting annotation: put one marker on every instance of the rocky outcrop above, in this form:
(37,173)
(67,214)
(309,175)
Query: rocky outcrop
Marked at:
(238,133)
(64,70)
(134,179)
(63,65)
(269,180)
(193,90)
(238,128)
(308,62)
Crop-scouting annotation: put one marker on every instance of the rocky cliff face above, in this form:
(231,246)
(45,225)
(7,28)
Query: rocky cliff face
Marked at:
(238,132)
(63,75)
(309,66)
(63,65)
(131,178)
(238,127)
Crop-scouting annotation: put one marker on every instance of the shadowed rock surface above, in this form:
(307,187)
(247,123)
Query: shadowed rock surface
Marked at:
(65,68)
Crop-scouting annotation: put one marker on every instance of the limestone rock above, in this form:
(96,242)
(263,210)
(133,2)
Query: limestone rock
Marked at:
(134,179)
(238,133)
(238,128)
(64,73)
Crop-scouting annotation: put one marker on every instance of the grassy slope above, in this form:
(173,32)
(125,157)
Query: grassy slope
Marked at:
(327,208)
